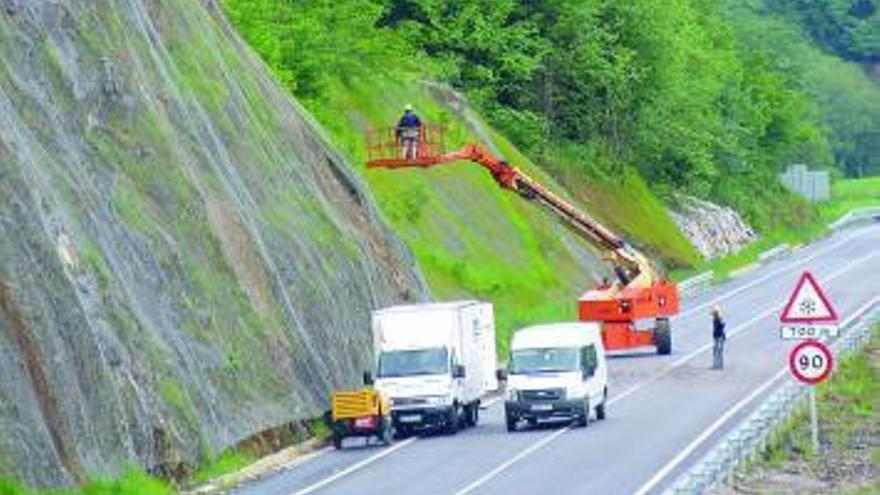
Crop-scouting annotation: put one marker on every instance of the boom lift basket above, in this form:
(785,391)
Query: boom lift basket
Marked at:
(386,147)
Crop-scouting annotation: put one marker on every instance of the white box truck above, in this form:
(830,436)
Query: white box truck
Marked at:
(435,361)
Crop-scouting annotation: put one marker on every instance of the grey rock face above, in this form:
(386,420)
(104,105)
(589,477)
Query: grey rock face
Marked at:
(714,230)
(184,261)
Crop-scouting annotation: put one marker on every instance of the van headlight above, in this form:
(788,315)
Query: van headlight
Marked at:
(573,393)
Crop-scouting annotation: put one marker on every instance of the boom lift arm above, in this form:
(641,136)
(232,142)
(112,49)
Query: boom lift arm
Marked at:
(641,294)
(630,266)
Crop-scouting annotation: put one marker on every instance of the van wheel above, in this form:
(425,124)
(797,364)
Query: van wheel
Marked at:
(402,432)
(663,336)
(600,409)
(511,422)
(584,418)
(472,414)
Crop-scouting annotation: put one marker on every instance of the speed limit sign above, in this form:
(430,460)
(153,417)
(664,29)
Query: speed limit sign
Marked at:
(811,362)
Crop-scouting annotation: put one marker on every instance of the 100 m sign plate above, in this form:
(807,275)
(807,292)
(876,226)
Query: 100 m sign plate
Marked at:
(806,332)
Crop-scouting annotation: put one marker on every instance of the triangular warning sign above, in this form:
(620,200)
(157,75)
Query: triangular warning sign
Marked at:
(808,303)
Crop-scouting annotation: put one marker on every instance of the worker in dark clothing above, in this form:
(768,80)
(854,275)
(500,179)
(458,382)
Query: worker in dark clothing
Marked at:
(718,336)
(408,130)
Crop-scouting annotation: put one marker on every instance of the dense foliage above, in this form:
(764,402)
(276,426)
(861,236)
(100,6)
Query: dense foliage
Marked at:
(847,98)
(587,87)
(849,27)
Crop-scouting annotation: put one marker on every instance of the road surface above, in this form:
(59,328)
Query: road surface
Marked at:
(660,406)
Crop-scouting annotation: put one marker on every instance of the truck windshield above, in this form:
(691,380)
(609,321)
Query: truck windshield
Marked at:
(544,360)
(415,362)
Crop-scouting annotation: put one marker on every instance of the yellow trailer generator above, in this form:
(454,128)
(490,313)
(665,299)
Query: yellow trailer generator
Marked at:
(360,413)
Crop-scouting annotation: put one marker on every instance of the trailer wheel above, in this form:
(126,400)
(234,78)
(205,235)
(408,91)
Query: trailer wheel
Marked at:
(663,337)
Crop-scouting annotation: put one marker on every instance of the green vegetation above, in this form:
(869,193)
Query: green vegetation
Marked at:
(848,194)
(228,462)
(850,28)
(623,104)
(131,482)
(849,412)
(846,98)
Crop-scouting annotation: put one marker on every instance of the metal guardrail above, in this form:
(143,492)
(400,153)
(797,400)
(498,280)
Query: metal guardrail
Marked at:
(859,215)
(752,435)
(776,252)
(696,285)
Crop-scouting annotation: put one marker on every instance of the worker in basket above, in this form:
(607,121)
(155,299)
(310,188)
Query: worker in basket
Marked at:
(408,132)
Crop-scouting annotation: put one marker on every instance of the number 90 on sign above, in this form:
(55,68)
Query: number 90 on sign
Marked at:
(811,362)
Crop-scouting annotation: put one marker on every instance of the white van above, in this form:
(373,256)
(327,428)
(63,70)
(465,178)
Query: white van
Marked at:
(556,371)
(435,361)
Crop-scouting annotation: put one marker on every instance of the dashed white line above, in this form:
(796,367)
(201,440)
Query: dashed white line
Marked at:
(355,467)
(546,440)
(672,464)
(314,487)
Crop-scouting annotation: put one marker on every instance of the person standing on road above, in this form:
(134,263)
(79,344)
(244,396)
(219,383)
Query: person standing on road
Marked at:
(718,336)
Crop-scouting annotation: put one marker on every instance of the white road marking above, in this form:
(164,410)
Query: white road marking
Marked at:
(631,390)
(491,474)
(708,432)
(355,467)
(546,440)
(671,465)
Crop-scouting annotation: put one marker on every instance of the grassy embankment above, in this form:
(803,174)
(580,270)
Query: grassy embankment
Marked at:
(849,415)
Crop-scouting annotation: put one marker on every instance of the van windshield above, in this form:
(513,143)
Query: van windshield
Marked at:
(551,359)
(414,362)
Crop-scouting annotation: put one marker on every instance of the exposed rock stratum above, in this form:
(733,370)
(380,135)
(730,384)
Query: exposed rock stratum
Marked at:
(184,260)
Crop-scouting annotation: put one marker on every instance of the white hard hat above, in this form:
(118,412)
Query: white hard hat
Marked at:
(408,106)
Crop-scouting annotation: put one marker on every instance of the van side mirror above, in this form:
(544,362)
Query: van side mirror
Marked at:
(501,374)
(458,371)
(368,378)
(590,370)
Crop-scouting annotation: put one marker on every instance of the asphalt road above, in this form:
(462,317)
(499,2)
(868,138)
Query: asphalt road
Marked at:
(661,407)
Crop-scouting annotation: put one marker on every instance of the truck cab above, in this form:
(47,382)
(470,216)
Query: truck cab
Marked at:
(556,371)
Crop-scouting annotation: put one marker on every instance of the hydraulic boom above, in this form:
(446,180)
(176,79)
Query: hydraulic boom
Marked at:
(639,291)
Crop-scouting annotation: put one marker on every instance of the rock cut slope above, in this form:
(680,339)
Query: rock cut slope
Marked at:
(184,260)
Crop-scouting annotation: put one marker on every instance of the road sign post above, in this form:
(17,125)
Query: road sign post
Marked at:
(809,316)
(811,363)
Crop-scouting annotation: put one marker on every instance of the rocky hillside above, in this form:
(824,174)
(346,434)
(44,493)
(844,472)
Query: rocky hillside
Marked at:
(183,259)
(714,230)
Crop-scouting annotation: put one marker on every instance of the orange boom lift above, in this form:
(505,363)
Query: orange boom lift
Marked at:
(639,291)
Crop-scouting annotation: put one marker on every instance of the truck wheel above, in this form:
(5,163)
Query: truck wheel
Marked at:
(472,414)
(337,441)
(453,420)
(663,336)
(583,419)
(511,422)
(600,409)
